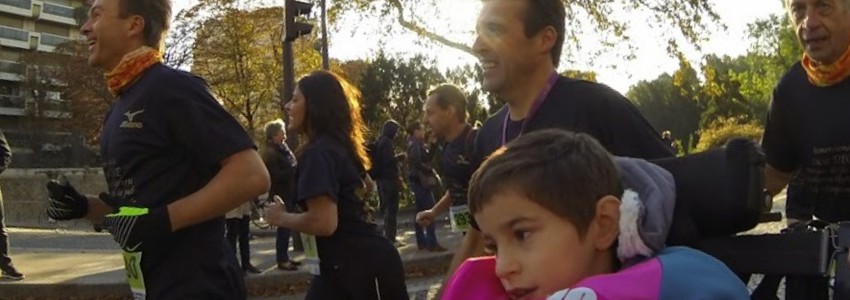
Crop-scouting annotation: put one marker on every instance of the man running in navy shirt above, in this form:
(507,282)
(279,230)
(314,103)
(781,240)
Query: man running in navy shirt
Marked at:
(175,162)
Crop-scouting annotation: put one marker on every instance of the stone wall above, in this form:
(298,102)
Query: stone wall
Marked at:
(25,195)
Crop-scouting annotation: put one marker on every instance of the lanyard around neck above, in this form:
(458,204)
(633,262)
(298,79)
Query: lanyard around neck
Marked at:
(534,107)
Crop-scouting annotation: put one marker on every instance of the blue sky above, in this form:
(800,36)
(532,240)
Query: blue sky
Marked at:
(355,38)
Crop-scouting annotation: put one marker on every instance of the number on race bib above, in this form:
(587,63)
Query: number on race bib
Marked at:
(311,252)
(461,218)
(130,266)
(135,277)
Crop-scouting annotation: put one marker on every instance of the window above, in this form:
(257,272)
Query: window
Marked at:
(58,10)
(25,4)
(14,34)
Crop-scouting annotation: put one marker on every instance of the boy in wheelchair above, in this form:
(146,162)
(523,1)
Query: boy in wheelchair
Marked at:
(565,220)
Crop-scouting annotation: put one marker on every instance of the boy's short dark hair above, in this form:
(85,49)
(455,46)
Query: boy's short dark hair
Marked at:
(565,172)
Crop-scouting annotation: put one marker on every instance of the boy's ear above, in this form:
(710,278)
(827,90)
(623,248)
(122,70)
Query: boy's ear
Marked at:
(607,222)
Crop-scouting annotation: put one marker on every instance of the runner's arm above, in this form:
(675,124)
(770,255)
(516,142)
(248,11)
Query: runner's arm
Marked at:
(442,205)
(775,180)
(320,219)
(242,177)
(97,209)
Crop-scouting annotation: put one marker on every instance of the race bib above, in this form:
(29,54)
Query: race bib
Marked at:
(311,253)
(461,218)
(133,267)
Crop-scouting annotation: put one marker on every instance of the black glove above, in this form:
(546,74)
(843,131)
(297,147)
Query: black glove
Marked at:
(132,227)
(65,202)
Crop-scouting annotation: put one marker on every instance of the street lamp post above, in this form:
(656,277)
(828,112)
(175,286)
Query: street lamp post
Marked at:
(325,59)
(293,28)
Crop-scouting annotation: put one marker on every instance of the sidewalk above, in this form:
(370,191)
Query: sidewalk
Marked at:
(71,264)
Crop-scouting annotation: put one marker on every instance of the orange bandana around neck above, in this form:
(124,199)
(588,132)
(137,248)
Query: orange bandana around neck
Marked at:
(827,75)
(130,67)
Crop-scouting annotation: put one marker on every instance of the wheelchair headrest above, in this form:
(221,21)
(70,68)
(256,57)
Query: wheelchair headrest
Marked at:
(719,192)
(646,209)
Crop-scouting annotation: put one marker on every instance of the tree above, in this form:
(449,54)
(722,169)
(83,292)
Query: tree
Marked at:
(691,17)
(469,79)
(667,103)
(178,44)
(721,131)
(720,95)
(238,51)
(578,74)
(732,97)
(64,101)
(353,70)
(741,87)
(396,89)
(65,74)
(772,54)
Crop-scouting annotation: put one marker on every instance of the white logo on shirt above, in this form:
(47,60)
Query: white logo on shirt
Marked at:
(129,123)
(462,160)
(582,293)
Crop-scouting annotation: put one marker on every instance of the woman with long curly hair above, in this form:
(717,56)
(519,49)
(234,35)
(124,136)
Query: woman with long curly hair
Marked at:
(354,260)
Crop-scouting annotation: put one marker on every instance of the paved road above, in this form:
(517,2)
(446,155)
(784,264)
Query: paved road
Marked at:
(50,256)
(419,289)
(100,248)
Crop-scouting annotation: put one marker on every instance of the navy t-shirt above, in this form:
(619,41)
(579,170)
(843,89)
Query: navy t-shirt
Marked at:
(581,106)
(457,165)
(807,133)
(162,140)
(326,167)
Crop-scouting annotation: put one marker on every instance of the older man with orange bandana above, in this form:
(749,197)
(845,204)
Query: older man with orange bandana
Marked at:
(807,132)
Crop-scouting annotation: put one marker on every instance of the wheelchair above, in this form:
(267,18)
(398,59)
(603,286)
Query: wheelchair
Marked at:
(720,194)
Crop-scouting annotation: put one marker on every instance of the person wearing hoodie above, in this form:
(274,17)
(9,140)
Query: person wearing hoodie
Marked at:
(549,209)
(385,172)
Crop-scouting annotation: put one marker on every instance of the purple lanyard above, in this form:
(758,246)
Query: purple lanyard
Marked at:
(534,107)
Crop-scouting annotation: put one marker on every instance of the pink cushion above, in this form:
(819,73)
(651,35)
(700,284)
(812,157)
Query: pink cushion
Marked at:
(475,279)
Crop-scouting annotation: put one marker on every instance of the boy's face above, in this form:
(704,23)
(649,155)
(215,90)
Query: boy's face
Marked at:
(539,253)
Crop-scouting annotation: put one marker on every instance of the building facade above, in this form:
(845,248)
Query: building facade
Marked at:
(31,115)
